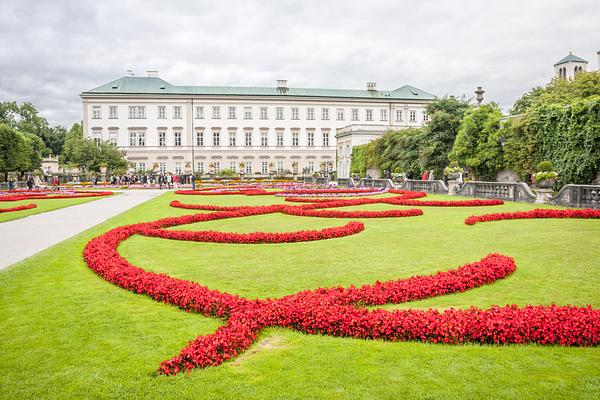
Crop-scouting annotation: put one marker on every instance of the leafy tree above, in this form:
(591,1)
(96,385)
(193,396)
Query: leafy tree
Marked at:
(439,134)
(560,91)
(17,151)
(26,119)
(478,143)
(89,156)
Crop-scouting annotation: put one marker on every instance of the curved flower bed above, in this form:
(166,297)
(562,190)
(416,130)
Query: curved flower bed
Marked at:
(587,213)
(334,311)
(39,195)
(18,208)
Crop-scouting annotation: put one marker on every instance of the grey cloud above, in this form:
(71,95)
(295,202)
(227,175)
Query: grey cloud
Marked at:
(51,51)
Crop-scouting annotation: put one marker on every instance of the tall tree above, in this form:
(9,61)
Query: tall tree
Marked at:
(17,153)
(439,134)
(478,145)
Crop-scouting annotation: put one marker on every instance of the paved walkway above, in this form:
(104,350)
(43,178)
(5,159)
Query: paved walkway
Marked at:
(24,237)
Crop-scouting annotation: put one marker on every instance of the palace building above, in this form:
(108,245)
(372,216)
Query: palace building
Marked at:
(176,129)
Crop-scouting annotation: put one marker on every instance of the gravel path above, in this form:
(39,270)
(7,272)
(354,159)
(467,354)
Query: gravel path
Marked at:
(24,237)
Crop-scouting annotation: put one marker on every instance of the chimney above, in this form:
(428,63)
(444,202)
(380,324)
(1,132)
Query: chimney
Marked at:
(129,72)
(152,74)
(371,86)
(282,84)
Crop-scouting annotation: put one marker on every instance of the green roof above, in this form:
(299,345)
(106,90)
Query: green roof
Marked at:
(154,85)
(570,58)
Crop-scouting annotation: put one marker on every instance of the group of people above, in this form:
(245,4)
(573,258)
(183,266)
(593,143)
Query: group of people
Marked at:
(169,180)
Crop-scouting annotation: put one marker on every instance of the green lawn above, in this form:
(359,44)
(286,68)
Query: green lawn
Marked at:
(43,205)
(66,333)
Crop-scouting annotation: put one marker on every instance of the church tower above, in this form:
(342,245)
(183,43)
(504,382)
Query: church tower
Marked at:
(569,66)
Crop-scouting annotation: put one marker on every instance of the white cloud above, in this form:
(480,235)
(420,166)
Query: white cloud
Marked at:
(51,51)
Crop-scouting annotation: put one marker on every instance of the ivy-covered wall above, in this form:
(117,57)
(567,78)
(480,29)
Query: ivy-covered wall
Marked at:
(569,137)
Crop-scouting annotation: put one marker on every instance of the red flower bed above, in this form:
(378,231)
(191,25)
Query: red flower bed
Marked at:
(537,213)
(218,192)
(51,195)
(18,208)
(335,311)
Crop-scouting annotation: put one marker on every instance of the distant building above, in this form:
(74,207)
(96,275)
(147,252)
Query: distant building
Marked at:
(571,65)
(257,129)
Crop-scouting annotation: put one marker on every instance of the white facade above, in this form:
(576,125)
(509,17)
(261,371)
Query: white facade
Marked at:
(570,66)
(286,130)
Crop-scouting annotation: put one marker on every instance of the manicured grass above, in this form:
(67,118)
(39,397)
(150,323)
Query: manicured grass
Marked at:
(43,205)
(66,333)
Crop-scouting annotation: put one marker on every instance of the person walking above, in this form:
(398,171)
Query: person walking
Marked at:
(175,181)
(425,176)
(30,183)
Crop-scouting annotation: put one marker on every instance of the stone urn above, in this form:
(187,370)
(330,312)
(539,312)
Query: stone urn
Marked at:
(545,184)
(453,176)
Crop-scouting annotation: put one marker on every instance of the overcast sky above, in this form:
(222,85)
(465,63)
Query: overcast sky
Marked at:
(50,51)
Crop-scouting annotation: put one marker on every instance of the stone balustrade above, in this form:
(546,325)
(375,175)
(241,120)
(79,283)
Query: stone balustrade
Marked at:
(578,196)
(511,191)
(431,187)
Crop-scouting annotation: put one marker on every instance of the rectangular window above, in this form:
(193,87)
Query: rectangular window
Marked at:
(247,112)
(137,112)
(232,139)
(162,167)
(425,117)
(162,112)
(200,167)
(398,115)
(216,138)
(413,116)
(383,114)
(369,115)
(200,112)
(295,113)
(310,139)
(325,138)
(340,114)
(141,138)
(279,113)
(133,138)
(264,139)
(177,168)
(248,139)
(177,138)
(264,167)
(231,112)
(177,112)
(325,113)
(248,167)
(233,166)
(112,112)
(217,166)
(295,139)
(311,167)
(200,138)
(310,113)
(264,113)
(280,167)
(162,139)
(96,112)
(133,165)
(142,167)
(216,112)
(280,139)
(97,140)
(355,114)
(113,138)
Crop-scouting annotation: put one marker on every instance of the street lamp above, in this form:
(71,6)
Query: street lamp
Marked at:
(479,93)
